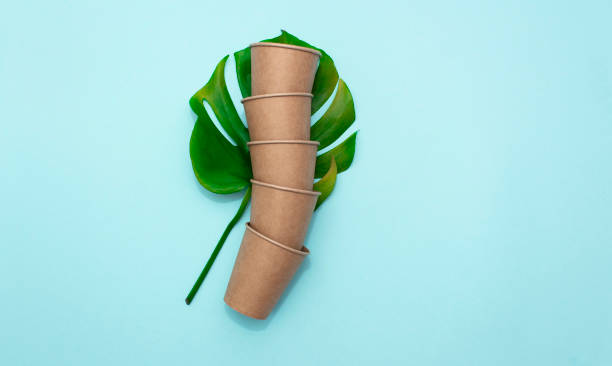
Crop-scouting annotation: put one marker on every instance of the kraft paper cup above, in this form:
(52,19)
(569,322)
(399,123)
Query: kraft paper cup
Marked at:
(281,116)
(262,271)
(282,213)
(282,68)
(288,163)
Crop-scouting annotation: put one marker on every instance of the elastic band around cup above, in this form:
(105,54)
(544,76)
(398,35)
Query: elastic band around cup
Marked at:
(281,188)
(269,142)
(275,95)
(303,252)
(284,45)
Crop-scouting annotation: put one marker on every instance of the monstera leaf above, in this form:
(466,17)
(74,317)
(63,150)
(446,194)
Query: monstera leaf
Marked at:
(224,167)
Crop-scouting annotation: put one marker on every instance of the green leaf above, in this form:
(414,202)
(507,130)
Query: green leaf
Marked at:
(325,80)
(216,94)
(343,155)
(326,184)
(224,168)
(336,120)
(218,165)
(243,71)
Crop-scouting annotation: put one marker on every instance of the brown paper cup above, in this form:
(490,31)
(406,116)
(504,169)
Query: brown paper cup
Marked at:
(282,68)
(282,213)
(282,116)
(262,271)
(288,163)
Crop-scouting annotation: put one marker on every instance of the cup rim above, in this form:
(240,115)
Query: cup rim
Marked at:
(285,45)
(270,142)
(275,95)
(288,189)
(304,252)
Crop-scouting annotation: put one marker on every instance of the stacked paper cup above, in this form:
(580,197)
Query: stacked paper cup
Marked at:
(283,160)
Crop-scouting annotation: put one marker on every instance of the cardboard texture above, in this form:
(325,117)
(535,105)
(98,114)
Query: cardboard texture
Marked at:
(283,116)
(282,213)
(288,163)
(282,68)
(262,271)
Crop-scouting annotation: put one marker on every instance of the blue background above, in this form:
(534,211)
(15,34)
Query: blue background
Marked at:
(474,227)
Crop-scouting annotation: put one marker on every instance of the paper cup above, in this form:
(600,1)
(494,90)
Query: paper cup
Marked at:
(288,163)
(282,116)
(262,271)
(282,68)
(282,213)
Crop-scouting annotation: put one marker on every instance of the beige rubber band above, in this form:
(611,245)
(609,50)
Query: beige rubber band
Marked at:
(284,45)
(268,142)
(275,95)
(281,188)
(304,252)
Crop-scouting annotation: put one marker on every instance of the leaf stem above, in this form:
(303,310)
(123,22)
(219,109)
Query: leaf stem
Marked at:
(213,256)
